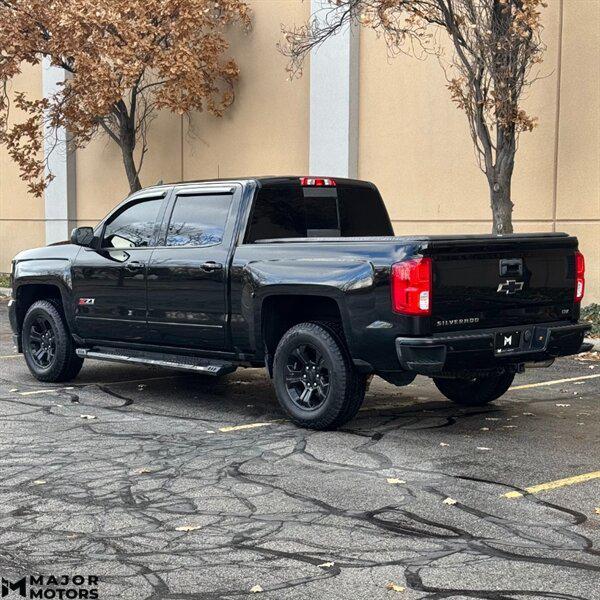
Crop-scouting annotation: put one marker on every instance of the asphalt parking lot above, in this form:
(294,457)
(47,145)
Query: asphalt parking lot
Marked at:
(171,486)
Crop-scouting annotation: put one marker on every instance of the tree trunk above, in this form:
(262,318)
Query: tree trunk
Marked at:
(129,162)
(502,206)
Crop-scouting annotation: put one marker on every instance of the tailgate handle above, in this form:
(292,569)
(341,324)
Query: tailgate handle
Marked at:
(511,266)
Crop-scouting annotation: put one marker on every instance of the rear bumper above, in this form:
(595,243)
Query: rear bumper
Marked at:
(474,350)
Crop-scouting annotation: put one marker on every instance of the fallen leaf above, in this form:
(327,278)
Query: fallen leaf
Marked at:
(394,587)
(394,481)
(597,510)
(443,444)
(450,501)
(256,589)
(143,471)
(188,527)
(485,429)
(483,448)
(88,416)
(39,482)
(326,565)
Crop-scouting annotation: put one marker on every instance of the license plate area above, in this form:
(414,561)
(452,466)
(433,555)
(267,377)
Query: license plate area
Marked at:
(507,342)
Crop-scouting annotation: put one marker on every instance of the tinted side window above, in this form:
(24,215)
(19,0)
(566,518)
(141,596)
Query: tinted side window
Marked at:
(198,220)
(133,227)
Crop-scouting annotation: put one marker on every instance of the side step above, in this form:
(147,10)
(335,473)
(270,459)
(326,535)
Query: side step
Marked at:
(208,366)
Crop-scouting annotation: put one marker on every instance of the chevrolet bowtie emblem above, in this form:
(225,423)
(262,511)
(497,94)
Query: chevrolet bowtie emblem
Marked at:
(510,287)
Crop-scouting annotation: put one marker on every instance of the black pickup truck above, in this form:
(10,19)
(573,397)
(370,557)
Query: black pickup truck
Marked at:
(303,275)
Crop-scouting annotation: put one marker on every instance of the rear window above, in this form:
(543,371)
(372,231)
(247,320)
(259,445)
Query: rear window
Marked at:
(288,211)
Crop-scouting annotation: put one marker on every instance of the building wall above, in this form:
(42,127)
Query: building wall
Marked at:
(412,141)
(21,215)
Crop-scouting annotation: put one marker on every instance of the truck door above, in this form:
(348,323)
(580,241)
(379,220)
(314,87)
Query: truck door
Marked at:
(188,273)
(109,281)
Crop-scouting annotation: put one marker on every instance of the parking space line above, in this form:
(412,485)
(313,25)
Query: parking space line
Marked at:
(554,382)
(9,356)
(552,485)
(248,426)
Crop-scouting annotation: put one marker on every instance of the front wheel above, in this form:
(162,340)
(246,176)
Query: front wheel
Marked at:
(475,391)
(315,381)
(47,344)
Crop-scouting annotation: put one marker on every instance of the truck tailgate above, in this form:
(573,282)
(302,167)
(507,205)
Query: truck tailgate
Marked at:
(489,281)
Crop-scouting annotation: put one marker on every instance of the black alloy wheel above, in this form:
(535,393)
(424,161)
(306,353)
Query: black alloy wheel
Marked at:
(307,377)
(42,342)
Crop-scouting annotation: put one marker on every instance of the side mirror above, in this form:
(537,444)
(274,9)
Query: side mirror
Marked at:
(82,236)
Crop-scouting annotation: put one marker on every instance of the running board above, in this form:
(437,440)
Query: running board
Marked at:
(207,366)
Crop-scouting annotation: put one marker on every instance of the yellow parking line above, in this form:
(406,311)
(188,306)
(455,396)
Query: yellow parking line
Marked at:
(39,392)
(248,426)
(554,382)
(552,485)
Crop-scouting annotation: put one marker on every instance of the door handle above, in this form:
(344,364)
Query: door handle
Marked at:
(134,265)
(211,266)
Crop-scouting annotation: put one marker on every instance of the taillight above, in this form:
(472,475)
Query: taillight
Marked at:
(579,276)
(317,182)
(411,286)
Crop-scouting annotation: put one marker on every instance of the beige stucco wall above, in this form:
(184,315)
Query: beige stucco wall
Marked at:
(21,215)
(413,142)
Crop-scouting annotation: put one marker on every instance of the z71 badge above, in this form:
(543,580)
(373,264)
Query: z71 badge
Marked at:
(86,301)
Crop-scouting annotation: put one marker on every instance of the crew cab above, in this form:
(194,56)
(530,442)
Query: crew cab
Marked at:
(305,276)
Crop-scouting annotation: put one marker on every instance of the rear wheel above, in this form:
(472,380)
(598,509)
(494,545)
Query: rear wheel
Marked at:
(475,391)
(315,381)
(47,344)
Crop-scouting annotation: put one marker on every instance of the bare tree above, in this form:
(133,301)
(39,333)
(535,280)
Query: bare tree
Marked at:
(495,46)
(127,59)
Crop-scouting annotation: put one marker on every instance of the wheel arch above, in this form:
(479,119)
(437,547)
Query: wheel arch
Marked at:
(279,312)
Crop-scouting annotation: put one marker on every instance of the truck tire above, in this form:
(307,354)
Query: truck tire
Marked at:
(47,344)
(476,391)
(314,378)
